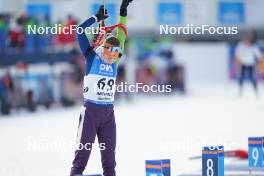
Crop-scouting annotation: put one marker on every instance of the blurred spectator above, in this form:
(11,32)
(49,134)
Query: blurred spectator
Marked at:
(16,35)
(174,71)
(68,41)
(160,67)
(6,89)
(3,99)
(247,57)
(30,39)
(43,40)
(146,73)
(31,104)
(3,31)
(122,77)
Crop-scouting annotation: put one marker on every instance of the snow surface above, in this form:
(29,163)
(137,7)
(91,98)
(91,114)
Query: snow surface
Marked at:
(149,127)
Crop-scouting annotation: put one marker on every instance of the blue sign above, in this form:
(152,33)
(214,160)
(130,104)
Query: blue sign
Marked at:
(231,12)
(213,161)
(170,13)
(111,10)
(158,168)
(39,9)
(255,152)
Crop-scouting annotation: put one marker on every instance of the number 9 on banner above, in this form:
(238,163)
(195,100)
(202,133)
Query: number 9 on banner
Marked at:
(255,152)
(213,161)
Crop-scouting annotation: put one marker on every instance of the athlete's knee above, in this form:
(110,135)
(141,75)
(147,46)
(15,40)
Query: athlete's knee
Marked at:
(80,161)
(108,162)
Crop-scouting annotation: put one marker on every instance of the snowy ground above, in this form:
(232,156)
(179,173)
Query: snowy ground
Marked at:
(174,127)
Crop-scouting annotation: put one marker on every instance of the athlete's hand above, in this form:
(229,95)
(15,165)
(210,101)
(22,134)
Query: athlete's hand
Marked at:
(123,8)
(101,14)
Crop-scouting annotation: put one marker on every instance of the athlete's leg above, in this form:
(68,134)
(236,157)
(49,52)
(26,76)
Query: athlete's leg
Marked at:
(107,137)
(242,77)
(85,139)
(253,79)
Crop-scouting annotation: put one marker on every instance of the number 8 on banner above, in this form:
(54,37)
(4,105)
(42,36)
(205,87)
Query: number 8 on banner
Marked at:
(255,152)
(209,169)
(213,161)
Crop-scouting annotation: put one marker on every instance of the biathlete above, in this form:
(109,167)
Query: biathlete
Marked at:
(97,116)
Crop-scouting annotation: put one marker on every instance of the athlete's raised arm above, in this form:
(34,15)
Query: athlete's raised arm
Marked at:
(82,38)
(121,35)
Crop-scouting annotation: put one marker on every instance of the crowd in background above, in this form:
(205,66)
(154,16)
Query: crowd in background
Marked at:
(14,35)
(26,86)
(20,87)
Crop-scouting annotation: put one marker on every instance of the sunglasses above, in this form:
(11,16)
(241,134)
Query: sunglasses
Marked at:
(113,49)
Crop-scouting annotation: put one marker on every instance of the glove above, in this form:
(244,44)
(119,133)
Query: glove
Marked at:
(123,8)
(101,14)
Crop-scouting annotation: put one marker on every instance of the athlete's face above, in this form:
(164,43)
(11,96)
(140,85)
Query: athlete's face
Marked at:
(111,53)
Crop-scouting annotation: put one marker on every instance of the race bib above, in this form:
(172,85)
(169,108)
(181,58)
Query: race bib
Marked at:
(99,89)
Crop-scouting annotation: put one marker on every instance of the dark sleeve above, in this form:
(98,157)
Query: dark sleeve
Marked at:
(84,43)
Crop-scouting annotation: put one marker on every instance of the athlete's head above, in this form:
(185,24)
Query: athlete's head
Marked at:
(111,48)
(250,38)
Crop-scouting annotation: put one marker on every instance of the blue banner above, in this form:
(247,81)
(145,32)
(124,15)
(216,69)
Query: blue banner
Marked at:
(231,13)
(39,9)
(170,13)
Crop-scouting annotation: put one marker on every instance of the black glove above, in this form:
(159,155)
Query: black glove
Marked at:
(101,13)
(123,8)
